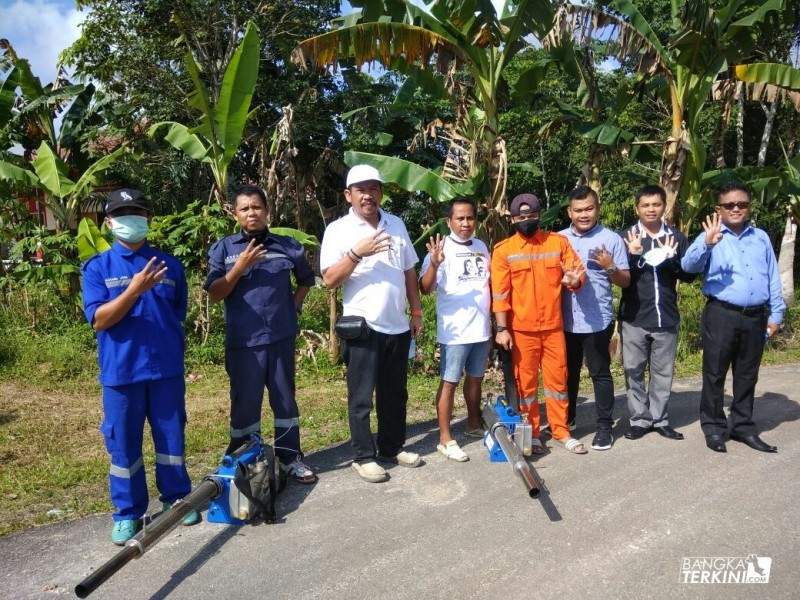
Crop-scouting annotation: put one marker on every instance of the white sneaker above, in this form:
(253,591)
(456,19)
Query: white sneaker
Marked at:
(370,471)
(299,471)
(403,458)
(452,451)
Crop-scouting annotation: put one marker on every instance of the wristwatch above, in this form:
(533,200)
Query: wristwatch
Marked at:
(501,328)
(611,270)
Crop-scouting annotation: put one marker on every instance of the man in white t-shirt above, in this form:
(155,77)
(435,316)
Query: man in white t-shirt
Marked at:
(456,268)
(368,252)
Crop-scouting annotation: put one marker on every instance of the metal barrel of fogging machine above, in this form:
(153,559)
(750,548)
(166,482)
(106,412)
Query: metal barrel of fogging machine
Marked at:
(500,434)
(211,487)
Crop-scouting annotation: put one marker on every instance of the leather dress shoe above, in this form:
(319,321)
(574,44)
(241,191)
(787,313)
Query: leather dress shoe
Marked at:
(636,432)
(716,443)
(755,442)
(668,432)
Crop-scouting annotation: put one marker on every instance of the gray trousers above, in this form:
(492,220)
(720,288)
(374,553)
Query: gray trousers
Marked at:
(656,346)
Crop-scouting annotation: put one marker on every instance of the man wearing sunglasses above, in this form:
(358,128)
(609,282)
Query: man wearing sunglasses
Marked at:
(744,309)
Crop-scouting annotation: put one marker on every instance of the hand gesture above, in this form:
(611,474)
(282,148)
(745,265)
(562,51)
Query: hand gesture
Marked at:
(148,277)
(435,248)
(373,244)
(250,256)
(669,243)
(634,241)
(713,228)
(572,276)
(601,257)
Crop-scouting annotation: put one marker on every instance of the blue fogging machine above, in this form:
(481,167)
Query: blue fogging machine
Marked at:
(508,439)
(241,491)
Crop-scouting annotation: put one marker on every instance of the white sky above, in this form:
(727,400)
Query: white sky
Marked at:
(39,30)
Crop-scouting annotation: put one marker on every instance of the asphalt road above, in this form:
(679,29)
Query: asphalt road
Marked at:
(630,522)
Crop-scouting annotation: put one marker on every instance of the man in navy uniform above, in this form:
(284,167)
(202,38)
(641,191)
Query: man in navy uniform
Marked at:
(135,298)
(251,270)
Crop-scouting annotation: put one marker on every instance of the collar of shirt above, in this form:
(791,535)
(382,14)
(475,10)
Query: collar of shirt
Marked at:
(748,229)
(382,221)
(663,230)
(597,227)
(537,237)
(241,239)
(144,250)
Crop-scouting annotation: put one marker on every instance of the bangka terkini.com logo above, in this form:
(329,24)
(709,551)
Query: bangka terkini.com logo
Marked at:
(725,569)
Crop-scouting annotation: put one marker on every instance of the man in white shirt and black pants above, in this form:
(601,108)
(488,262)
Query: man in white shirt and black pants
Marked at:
(369,253)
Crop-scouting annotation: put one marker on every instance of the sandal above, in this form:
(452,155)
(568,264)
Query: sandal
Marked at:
(573,445)
(536,446)
(452,451)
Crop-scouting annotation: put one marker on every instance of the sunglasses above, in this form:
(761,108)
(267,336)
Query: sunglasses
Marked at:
(732,205)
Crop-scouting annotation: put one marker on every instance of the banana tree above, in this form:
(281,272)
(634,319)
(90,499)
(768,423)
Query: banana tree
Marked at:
(49,173)
(217,136)
(451,38)
(703,42)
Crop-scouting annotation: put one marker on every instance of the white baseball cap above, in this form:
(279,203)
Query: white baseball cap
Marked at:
(361,173)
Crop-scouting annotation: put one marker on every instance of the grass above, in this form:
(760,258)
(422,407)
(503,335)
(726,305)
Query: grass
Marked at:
(54,461)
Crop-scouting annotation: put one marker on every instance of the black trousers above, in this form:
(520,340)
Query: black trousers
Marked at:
(594,346)
(379,364)
(730,340)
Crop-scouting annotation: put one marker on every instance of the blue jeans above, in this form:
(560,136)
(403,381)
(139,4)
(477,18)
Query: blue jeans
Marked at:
(456,358)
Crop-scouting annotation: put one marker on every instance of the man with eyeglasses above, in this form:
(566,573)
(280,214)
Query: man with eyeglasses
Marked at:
(744,309)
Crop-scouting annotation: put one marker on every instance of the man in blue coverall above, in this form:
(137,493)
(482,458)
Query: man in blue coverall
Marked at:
(134,296)
(251,271)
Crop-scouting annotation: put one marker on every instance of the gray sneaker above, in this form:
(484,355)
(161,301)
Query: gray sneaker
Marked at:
(403,458)
(370,471)
(602,439)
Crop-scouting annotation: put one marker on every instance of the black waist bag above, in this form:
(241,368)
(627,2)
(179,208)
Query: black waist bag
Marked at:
(352,328)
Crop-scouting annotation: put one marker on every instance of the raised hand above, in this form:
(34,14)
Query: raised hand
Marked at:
(634,241)
(713,229)
(435,248)
(148,277)
(601,257)
(572,276)
(373,244)
(250,256)
(669,243)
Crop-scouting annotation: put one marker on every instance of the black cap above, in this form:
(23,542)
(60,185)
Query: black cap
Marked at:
(126,198)
(528,199)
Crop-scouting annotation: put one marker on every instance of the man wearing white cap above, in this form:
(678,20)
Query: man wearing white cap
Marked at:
(369,253)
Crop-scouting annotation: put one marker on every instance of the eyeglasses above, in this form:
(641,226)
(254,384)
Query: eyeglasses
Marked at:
(732,205)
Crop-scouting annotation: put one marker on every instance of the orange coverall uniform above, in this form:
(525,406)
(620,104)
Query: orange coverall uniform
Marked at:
(526,283)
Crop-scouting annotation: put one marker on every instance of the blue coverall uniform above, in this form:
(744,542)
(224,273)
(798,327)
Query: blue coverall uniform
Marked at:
(141,370)
(260,330)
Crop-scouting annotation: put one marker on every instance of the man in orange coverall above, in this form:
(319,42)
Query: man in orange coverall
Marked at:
(528,270)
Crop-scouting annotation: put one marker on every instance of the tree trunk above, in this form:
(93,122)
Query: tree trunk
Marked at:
(674,157)
(770,114)
(740,129)
(786,261)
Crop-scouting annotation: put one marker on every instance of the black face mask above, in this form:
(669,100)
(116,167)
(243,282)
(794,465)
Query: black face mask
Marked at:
(527,228)
(259,236)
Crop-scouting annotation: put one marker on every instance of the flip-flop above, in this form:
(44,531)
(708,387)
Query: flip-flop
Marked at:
(573,445)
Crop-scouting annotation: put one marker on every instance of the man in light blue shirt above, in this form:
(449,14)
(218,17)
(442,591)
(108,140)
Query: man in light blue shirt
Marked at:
(588,312)
(743,287)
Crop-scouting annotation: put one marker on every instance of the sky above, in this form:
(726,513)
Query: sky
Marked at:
(39,30)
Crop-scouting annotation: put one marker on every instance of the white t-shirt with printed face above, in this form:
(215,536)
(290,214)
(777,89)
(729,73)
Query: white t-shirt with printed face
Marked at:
(376,290)
(463,298)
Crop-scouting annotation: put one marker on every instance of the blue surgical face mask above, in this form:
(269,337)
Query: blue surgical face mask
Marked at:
(130,228)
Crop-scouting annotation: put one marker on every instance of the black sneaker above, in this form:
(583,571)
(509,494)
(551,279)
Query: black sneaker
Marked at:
(602,439)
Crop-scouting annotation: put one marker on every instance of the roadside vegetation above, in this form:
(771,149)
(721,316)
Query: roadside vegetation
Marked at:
(54,462)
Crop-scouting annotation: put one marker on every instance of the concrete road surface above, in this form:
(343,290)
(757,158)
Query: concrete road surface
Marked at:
(642,520)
